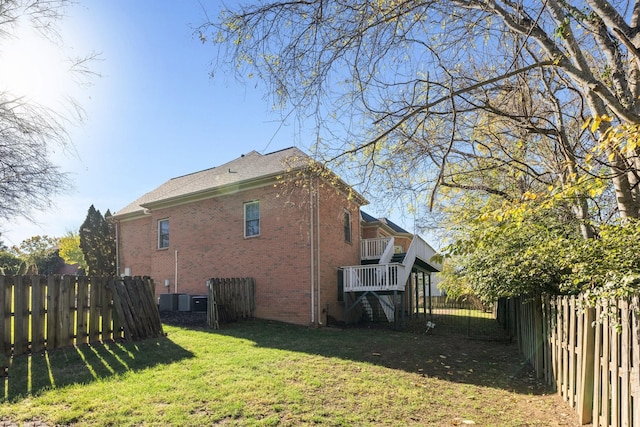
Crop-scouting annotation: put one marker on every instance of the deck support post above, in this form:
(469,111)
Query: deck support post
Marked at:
(430,304)
(395,309)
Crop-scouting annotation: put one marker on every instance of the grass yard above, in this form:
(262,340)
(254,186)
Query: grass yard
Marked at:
(267,373)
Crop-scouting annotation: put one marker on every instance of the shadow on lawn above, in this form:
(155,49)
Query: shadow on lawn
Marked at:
(32,374)
(439,354)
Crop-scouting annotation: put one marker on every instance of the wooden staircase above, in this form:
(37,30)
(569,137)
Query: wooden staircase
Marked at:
(383,274)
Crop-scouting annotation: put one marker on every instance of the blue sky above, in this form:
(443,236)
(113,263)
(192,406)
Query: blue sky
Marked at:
(154,113)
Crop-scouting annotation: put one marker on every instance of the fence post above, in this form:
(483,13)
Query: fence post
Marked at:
(585,393)
(539,337)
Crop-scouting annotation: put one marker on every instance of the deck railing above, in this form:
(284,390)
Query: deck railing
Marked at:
(360,278)
(385,276)
(373,248)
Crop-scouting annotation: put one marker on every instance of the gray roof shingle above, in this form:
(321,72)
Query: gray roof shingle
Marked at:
(245,168)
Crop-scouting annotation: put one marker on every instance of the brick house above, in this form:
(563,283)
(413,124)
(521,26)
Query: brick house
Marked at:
(279,218)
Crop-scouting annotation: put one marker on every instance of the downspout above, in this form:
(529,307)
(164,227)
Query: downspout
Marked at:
(176,274)
(312,248)
(318,254)
(117,250)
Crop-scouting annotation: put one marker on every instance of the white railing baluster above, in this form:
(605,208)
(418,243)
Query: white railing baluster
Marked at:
(373,248)
(359,278)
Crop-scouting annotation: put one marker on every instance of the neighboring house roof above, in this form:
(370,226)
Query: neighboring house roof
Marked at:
(392,225)
(248,168)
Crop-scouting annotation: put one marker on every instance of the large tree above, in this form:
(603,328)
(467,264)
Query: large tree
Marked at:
(40,255)
(29,130)
(70,250)
(413,88)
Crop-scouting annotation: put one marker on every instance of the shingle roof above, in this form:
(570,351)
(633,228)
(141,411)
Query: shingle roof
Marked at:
(245,168)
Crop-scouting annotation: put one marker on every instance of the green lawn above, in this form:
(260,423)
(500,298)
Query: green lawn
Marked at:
(264,373)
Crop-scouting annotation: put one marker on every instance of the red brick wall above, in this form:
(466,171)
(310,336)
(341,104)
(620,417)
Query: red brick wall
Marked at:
(209,238)
(135,237)
(370,232)
(334,250)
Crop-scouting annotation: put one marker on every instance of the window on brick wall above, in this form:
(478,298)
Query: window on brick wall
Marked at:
(346,220)
(252,219)
(163,234)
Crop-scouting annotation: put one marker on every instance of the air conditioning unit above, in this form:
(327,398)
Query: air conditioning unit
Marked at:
(199,302)
(184,302)
(168,302)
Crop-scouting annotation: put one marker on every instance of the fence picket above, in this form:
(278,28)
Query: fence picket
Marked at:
(6,285)
(635,363)
(624,365)
(21,315)
(63,337)
(82,300)
(566,330)
(38,292)
(53,298)
(54,311)
(106,312)
(95,287)
(592,353)
(230,299)
(585,396)
(571,351)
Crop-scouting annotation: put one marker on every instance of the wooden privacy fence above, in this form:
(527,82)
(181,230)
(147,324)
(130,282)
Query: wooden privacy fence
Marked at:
(590,354)
(230,299)
(47,312)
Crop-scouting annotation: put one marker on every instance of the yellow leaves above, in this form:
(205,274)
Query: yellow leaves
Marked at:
(594,192)
(620,140)
(596,122)
(588,157)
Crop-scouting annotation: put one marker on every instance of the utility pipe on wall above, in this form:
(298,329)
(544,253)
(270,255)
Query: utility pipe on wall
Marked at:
(117,251)
(318,253)
(312,247)
(176,275)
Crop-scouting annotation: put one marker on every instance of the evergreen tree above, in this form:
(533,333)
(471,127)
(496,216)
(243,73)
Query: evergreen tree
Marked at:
(97,241)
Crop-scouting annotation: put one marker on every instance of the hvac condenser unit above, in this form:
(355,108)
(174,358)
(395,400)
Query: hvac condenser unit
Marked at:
(199,303)
(184,302)
(168,302)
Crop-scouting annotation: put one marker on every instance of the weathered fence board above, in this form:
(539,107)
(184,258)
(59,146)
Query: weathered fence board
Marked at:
(82,299)
(64,313)
(594,365)
(53,296)
(635,364)
(5,316)
(231,299)
(38,298)
(20,316)
(95,308)
(39,312)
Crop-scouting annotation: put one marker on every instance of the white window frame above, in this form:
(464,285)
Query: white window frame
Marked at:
(246,220)
(160,234)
